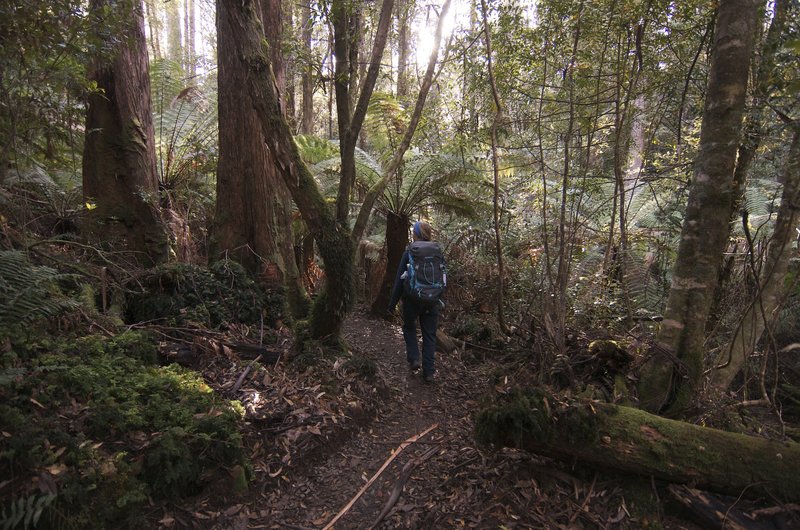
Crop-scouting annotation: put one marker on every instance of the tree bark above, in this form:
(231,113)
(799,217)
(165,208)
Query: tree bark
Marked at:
(253,215)
(396,241)
(174,45)
(630,440)
(761,311)
(119,160)
(404,14)
(498,116)
(668,382)
(307,118)
(333,239)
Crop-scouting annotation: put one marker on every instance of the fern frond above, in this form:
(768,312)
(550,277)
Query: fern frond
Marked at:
(27,292)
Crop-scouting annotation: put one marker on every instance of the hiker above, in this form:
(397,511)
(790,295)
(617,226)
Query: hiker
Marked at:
(420,280)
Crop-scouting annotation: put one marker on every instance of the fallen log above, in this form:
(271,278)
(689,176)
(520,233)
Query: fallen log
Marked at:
(633,441)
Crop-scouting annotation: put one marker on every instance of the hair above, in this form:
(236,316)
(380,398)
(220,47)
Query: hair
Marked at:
(422,230)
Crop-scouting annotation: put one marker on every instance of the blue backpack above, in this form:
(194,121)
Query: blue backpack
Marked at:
(426,277)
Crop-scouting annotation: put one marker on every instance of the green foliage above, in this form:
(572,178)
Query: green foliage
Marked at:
(111,432)
(28,293)
(43,53)
(183,294)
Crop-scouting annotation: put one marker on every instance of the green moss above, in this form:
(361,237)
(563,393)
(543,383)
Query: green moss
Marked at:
(117,430)
(362,367)
(182,294)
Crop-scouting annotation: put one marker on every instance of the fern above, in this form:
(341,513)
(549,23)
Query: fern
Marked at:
(26,511)
(27,292)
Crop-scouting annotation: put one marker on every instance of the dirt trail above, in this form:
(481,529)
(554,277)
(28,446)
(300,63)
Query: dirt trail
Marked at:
(313,498)
(450,481)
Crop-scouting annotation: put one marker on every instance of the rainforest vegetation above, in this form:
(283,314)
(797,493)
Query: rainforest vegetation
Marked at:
(203,205)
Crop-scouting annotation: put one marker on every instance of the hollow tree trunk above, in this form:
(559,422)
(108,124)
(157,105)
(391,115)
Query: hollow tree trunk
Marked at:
(119,160)
(667,385)
(630,440)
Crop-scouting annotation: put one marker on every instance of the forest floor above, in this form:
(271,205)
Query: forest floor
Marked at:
(310,468)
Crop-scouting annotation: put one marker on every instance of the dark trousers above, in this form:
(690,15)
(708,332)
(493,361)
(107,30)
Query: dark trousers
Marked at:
(428,316)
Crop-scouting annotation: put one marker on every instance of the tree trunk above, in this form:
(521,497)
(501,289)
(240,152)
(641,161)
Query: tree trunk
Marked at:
(625,439)
(189,63)
(498,116)
(153,28)
(119,160)
(174,47)
(666,385)
(253,216)
(772,283)
(396,241)
(404,13)
(333,239)
(307,119)
(350,123)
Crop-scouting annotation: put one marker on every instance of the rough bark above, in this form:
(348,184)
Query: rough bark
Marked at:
(253,216)
(669,380)
(396,241)
(772,284)
(630,440)
(333,239)
(119,160)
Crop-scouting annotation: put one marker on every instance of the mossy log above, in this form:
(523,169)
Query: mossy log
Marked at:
(633,441)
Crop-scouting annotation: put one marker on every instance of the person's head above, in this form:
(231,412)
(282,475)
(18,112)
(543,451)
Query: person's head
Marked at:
(422,231)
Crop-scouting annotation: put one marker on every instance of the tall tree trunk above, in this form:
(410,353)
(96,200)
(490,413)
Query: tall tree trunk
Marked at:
(174,46)
(333,239)
(771,291)
(119,161)
(253,216)
(307,117)
(404,14)
(669,380)
(153,28)
(498,116)
(350,122)
(189,63)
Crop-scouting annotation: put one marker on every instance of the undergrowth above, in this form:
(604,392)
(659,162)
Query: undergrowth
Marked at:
(92,429)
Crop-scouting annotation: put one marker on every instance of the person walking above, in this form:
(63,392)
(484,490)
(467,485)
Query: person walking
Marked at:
(420,282)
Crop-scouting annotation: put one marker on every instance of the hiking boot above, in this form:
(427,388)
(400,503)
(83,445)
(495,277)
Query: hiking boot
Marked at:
(429,378)
(415,367)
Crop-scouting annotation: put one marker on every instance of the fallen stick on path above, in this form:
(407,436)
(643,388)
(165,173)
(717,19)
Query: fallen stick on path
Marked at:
(410,466)
(377,474)
(244,374)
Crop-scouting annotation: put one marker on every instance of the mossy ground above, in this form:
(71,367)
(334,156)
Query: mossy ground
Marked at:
(104,431)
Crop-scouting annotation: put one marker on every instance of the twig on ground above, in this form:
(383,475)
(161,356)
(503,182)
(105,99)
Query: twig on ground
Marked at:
(397,490)
(377,474)
(244,374)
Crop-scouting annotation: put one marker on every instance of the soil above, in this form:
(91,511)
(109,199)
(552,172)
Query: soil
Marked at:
(310,466)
